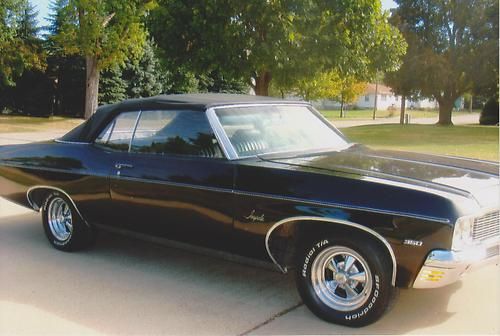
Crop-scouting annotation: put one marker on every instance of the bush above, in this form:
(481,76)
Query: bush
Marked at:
(489,114)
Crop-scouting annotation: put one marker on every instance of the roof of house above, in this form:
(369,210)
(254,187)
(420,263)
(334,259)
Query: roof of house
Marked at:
(382,89)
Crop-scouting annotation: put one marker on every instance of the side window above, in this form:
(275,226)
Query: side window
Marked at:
(175,132)
(118,134)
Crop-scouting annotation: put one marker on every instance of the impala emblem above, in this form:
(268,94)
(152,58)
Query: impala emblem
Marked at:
(255,218)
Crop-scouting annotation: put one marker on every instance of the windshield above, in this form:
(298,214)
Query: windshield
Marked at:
(257,130)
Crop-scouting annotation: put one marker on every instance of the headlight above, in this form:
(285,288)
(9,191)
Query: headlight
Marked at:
(462,235)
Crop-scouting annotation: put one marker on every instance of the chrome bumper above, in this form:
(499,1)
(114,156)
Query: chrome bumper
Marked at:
(443,267)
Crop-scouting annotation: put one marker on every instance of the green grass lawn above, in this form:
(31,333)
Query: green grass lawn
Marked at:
(367,114)
(479,142)
(9,124)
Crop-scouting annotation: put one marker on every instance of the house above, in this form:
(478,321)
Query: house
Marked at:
(385,97)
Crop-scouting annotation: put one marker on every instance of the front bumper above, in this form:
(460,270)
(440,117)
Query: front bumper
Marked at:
(443,267)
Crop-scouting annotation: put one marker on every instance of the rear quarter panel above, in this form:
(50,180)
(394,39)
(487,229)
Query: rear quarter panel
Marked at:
(79,170)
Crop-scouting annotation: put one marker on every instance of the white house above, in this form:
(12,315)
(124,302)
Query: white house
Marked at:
(385,98)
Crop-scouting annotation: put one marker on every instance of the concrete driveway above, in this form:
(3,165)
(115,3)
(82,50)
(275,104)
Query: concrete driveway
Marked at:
(127,286)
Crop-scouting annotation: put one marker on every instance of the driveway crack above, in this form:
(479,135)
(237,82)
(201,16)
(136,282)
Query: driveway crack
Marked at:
(272,318)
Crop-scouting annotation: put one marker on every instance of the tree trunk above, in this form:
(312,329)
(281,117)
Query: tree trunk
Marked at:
(470,104)
(403,110)
(445,110)
(342,106)
(262,82)
(92,86)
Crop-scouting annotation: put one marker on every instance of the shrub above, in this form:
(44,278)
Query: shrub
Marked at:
(489,114)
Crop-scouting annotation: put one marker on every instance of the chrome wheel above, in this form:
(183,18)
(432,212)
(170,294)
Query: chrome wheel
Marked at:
(341,278)
(60,219)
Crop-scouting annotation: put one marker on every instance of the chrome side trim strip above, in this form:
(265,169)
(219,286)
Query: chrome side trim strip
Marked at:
(172,184)
(333,221)
(291,103)
(37,208)
(342,206)
(287,199)
(72,142)
(472,160)
(248,193)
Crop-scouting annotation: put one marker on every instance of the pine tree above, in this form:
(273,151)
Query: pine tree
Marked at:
(112,87)
(144,77)
(27,23)
(215,81)
(20,47)
(68,71)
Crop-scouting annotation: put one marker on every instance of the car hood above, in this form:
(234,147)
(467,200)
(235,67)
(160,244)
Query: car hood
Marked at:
(459,176)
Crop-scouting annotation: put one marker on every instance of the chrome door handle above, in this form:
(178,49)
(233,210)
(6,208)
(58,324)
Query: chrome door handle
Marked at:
(123,165)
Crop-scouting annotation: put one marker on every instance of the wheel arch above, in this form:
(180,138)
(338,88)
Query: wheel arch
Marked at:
(337,223)
(36,195)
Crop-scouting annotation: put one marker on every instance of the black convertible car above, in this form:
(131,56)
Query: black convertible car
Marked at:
(269,180)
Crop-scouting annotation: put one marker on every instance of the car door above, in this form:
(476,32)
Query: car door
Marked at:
(173,180)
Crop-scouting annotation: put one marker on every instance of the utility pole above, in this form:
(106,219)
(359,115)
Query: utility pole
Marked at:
(376,98)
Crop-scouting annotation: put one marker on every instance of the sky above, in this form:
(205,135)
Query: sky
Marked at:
(42,6)
(43,9)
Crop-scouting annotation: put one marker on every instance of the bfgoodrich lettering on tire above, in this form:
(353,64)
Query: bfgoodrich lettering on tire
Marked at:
(344,280)
(64,228)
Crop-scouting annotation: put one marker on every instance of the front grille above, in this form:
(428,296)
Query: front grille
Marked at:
(492,251)
(486,226)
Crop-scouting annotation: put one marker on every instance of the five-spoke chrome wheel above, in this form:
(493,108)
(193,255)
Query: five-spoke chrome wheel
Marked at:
(341,278)
(60,219)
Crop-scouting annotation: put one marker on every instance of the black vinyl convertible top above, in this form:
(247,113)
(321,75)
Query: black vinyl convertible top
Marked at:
(87,131)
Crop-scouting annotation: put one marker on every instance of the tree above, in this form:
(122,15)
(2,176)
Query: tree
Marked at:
(67,71)
(144,77)
(404,81)
(217,82)
(327,85)
(112,86)
(322,85)
(20,47)
(286,40)
(350,90)
(453,49)
(180,80)
(106,33)
(136,78)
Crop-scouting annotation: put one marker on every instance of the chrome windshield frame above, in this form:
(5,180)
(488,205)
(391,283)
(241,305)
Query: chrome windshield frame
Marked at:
(227,146)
